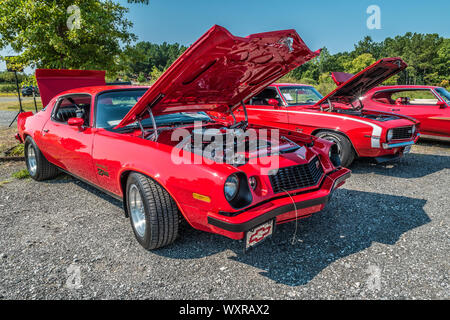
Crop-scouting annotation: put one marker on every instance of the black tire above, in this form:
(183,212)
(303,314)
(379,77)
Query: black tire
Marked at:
(345,148)
(44,170)
(160,211)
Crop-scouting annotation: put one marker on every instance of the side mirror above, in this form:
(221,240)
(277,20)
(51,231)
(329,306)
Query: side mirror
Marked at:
(76,122)
(273,102)
(441,104)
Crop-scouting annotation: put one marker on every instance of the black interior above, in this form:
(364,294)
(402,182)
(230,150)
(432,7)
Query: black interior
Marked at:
(72,109)
(262,99)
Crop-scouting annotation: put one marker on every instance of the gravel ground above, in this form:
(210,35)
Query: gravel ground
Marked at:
(384,235)
(6,117)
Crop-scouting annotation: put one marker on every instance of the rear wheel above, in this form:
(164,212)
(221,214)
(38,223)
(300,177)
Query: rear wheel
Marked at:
(344,146)
(37,165)
(153,213)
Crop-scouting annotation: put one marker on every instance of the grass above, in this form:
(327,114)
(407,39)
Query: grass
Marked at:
(7,140)
(21,174)
(17,151)
(2,183)
(27,105)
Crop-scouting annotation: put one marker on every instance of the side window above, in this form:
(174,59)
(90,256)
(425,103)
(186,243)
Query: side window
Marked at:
(75,106)
(262,99)
(414,97)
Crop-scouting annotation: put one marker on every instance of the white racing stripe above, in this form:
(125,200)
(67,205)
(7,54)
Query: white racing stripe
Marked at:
(376,130)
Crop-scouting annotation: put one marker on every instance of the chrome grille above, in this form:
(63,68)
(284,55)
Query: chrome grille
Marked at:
(297,177)
(402,133)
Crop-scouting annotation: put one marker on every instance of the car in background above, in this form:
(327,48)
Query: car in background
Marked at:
(139,144)
(27,91)
(339,116)
(428,104)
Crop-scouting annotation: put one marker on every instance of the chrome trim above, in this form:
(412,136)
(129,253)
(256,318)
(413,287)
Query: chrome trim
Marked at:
(396,145)
(440,138)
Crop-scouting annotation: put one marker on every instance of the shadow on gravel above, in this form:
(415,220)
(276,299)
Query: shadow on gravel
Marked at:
(414,165)
(351,223)
(65,178)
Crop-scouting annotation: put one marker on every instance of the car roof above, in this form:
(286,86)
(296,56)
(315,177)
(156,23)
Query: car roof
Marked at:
(285,84)
(401,87)
(94,90)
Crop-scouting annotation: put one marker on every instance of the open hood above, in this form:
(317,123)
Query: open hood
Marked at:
(351,87)
(220,70)
(54,81)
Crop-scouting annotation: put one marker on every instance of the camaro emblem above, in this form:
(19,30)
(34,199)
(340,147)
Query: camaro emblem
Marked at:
(102,170)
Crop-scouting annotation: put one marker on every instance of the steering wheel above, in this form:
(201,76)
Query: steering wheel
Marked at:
(79,110)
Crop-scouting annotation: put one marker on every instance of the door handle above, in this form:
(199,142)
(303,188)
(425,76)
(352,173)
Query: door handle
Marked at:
(395,109)
(45,130)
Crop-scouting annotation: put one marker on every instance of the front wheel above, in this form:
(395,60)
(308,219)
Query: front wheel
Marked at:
(344,146)
(153,213)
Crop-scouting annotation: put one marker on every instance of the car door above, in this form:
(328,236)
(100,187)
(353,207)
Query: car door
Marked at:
(261,112)
(70,146)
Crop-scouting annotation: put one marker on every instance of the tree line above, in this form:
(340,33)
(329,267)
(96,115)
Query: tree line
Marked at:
(427,56)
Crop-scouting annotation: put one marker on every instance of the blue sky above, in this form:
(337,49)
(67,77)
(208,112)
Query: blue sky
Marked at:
(335,24)
(338,24)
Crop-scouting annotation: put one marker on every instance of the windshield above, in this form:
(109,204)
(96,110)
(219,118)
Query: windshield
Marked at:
(444,94)
(300,95)
(112,106)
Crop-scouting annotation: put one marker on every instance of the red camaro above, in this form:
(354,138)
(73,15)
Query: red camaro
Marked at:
(339,117)
(428,104)
(158,150)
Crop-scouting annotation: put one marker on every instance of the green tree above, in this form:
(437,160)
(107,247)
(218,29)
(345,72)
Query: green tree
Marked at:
(145,56)
(359,63)
(52,34)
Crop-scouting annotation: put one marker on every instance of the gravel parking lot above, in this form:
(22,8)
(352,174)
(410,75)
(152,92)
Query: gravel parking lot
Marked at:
(384,235)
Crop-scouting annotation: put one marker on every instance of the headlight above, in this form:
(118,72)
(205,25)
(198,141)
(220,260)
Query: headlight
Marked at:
(413,130)
(231,187)
(389,135)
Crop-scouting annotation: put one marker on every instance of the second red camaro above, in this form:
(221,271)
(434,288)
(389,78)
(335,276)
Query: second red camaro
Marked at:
(340,116)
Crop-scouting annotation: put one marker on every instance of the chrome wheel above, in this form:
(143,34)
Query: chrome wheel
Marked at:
(31,160)
(137,210)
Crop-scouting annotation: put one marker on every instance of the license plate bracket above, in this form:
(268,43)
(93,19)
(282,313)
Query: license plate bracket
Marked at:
(258,234)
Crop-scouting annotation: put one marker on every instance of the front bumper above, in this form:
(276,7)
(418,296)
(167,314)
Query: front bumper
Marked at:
(279,206)
(401,144)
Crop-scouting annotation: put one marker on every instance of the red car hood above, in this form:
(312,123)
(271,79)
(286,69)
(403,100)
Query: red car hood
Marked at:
(220,70)
(54,81)
(351,87)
